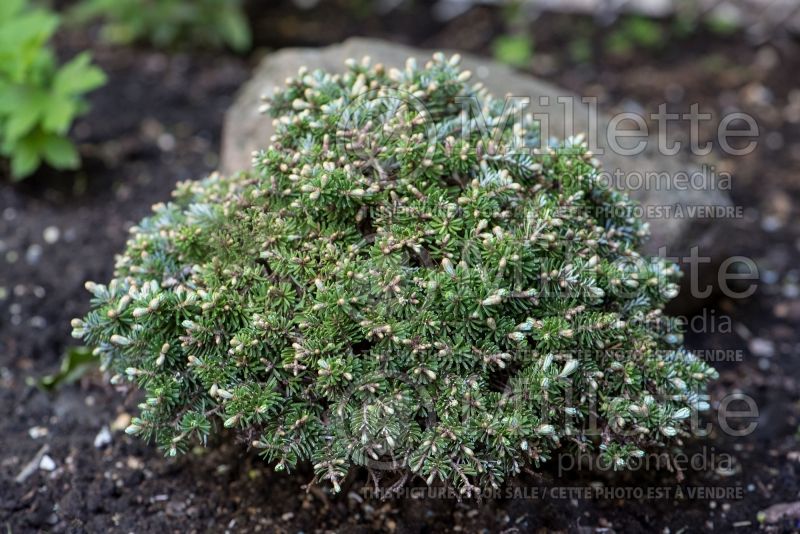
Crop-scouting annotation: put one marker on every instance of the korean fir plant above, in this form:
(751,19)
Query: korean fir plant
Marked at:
(393,287)
(39,99)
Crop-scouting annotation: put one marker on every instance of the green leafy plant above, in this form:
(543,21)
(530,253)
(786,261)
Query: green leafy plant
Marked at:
(580,49)
(396,287)
(515,46)
(720,25)
(38,99)
(514,50)
(635,32)
(170,23)
(76,363)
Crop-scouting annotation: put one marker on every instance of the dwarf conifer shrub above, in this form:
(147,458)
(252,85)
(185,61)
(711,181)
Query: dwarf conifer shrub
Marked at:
(389,288)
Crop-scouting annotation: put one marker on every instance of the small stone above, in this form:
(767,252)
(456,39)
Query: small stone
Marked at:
(166,142)
(176,508)
(33,254)
(47,463)
(134,463)
(757,94)
(769,277)
(37,432)
(767,58)
(774,141)
(780,206)
(121,422)
(762,347)
(102,438)
(781,511)
(51,235)
(771,223)
(790,291)
(151,128)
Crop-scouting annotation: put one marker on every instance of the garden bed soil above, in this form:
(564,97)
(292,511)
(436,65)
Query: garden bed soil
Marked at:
(158,121)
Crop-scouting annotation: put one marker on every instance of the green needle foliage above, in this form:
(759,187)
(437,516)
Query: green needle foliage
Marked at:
(38,98)
(389,288)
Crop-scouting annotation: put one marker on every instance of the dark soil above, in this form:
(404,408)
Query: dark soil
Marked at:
(158,121)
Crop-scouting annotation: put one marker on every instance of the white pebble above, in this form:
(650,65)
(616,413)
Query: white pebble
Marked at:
(47,463)
(791,291)
(769,277)
(762,347)
(102,438)
(37,432)
(51,234)
(770,223)
(166,142)
(33,254)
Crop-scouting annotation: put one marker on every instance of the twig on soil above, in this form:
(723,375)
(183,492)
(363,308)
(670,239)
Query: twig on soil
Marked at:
(31,467)
(777,512)
(673,466)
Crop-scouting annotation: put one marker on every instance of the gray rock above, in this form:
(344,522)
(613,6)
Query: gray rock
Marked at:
(758,17)
(246,130)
